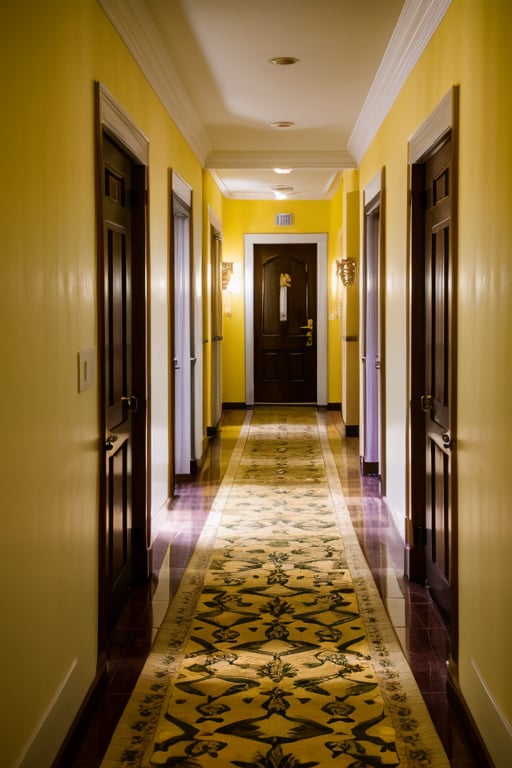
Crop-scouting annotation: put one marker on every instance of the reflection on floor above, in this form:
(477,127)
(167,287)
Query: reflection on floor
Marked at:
(417,622)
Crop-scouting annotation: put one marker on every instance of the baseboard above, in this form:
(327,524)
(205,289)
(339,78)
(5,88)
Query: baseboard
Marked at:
(334,406)
(81,722)
(234,406)
(351,430)
(46,740)
(480,753)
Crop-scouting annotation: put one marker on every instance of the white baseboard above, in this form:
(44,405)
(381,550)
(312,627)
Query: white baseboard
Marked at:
(51,730)
(495,728)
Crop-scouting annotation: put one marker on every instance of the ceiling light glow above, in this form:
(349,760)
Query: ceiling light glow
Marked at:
(283,170)
(283,61)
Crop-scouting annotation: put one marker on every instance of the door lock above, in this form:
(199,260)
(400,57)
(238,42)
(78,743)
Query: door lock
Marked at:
(447,439)
(132,403)
(426,403)
(109,442)
(309,334)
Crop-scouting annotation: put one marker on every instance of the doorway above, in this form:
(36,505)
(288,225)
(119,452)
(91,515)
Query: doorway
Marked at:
(216,325)
(182,333)
(124,529)
(285,319)
(432,351)
(320,241)
(372,454)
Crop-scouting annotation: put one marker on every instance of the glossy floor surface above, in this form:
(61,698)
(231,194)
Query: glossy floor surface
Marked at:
(417,622)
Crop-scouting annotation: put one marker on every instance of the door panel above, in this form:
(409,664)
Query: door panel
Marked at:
(119,399)
(182,335)
(436,401)
(285,323)
(371,339)
(216,326)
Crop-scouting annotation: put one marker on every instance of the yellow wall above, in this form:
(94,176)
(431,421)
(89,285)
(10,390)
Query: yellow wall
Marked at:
(242,217)
(49,450)
(50,58)
(470,48)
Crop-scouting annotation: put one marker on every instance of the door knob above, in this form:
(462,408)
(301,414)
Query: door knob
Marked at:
(109,442)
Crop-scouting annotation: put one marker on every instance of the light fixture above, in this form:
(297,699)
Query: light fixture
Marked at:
(283,61)
(227,273)
(281,191)
(282,124)
(346,271)
(283,170)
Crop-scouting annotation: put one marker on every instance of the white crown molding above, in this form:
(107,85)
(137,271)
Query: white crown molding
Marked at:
(229,160)
(326,193)
(119,124)
(181,188)
(437,124)
(137,30)
(417,23)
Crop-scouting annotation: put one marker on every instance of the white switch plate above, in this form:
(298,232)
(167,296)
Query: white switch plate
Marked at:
(86,368)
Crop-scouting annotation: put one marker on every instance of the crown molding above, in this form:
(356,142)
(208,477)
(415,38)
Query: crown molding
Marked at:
(417,23)
(326,193)
(137,30)
(309,159)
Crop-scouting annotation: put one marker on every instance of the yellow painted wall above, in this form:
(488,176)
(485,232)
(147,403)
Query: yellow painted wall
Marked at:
(471,48)
(241,217)
(51,54)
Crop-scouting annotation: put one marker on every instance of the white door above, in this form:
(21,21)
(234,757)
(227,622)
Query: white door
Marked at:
(182,340)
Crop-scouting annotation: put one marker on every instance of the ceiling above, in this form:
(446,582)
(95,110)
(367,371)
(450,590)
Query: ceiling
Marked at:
(209,62)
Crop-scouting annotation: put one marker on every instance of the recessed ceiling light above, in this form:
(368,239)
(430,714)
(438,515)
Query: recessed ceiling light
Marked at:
(283,61)
(281,189)
(283,170)
(282,124)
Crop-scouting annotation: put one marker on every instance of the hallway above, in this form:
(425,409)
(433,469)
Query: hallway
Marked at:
(416,620)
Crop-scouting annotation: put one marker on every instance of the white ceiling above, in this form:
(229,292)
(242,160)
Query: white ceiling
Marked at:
(208,60)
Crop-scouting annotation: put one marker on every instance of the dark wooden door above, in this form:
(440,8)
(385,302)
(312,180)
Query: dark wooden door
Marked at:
(437,399)
(285,323)
(120,402)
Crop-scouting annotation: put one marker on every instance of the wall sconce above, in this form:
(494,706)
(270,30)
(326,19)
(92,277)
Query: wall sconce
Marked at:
(227,273)
(346,271)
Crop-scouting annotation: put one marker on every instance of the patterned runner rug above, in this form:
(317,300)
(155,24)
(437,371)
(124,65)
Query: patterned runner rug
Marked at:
(277,651)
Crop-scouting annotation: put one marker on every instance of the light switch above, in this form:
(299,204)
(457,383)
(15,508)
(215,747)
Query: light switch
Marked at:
(86,368)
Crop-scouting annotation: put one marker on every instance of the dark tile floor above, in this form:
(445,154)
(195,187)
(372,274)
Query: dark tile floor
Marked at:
(416,620)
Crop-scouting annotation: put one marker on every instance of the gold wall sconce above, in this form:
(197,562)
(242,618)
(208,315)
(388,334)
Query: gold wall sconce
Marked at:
(346,271)
(227,273)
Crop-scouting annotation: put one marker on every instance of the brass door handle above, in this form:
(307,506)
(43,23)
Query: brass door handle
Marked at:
(309,326)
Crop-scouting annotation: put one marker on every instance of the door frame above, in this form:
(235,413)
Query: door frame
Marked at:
(320,239)
(181,194)
(374,204)
(112,119)
(439,124)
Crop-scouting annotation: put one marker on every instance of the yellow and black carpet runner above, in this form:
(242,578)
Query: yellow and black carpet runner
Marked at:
(277,651)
